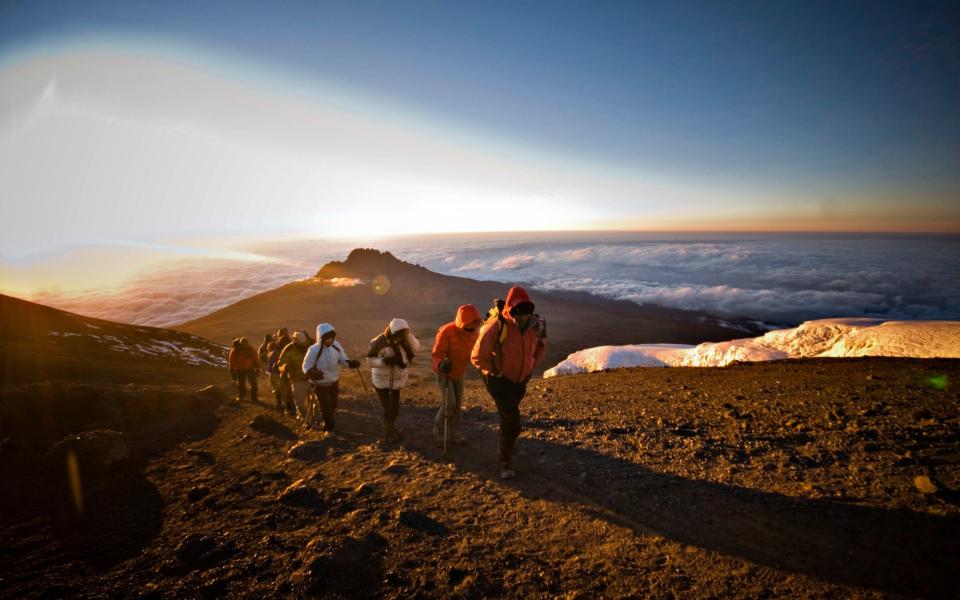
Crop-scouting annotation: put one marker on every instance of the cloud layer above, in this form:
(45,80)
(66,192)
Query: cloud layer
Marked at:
(778,279)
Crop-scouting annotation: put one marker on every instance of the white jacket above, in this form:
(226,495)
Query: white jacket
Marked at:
(326,359)
(386,376)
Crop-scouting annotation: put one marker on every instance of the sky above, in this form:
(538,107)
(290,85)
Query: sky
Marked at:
(155,127)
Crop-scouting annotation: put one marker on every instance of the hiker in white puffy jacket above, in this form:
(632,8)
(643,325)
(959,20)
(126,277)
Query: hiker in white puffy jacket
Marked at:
(389,355)
(322,366)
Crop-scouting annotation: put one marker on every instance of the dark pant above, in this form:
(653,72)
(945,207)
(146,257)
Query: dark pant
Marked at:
(284,394)
(507,396)
(243,376)
(327,396)
(390,399)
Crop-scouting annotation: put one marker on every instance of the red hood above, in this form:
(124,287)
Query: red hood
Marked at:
(515,296)
(466,314)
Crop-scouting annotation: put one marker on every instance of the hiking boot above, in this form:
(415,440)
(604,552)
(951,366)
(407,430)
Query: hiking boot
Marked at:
(506,472)
(391,433)
(459,440)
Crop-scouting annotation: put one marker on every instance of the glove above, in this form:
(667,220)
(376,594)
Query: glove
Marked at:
(315,374)
(233,374)
(445,366)
(283,368)
(394,361)
(353,363)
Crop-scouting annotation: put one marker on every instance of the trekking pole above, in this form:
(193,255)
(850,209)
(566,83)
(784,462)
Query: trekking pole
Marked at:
(367,393)
(446,413)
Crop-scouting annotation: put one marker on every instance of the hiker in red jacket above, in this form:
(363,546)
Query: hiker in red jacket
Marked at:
(451,355)
(244,366)
(507,351)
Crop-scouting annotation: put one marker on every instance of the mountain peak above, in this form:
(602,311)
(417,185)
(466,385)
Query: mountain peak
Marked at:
(367,263)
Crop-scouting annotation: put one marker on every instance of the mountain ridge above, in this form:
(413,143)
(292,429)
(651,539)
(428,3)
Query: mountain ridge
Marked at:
(362,293)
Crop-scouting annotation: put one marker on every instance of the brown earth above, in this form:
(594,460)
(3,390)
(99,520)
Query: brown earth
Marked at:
(785,479)
(427,300)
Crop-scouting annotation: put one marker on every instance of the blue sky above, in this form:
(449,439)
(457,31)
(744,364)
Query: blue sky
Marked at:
(688,115)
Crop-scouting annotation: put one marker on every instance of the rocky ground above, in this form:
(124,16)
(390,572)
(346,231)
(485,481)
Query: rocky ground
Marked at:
(823,479)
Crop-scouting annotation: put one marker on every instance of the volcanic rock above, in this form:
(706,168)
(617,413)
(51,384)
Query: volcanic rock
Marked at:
(309,451)
(301,495)
(96,452)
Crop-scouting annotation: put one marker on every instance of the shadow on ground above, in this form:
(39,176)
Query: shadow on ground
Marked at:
(889,550)
(120,509)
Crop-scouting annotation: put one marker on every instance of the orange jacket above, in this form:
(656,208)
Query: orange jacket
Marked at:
(520,351)
(456,344)
(242,358)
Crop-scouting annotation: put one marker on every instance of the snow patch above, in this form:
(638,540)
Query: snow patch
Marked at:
(848,337)
(201,354)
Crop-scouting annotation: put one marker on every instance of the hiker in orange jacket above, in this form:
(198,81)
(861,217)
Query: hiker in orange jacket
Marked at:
(508,349)
(244,366)
(451,355)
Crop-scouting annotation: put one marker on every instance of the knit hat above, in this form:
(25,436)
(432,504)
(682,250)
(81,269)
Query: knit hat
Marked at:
(398,324)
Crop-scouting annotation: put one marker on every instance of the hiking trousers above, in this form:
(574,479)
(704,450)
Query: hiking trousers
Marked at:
(452,389)
(300,389)
(390,400)
(507,395)
(327,398)
(243,377)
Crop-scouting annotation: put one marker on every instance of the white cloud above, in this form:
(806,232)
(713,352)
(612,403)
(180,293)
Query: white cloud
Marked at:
(514,263)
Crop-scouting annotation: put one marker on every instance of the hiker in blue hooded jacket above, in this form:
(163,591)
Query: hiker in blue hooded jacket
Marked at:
(322,365)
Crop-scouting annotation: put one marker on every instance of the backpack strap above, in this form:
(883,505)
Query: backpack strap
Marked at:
(502,331)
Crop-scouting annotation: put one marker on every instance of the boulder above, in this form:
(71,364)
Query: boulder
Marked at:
(198,551)
(198,492)
(269,426)
(418,521)
(202,456)
(309,451)
(924,484)
(213,393)
(302,495)
(97,452)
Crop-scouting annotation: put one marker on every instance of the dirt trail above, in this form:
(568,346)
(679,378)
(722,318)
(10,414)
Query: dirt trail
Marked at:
(755,481)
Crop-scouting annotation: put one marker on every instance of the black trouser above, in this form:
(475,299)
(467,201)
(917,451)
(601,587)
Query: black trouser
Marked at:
(390,399)
(243,376)
(327,396)
(507,396)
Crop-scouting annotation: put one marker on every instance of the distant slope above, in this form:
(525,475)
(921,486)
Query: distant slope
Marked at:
(39,343)
(345,294)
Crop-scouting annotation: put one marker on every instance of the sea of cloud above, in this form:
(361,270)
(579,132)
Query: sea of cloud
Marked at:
(779,279)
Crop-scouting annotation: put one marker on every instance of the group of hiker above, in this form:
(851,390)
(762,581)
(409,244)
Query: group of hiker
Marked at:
(505,347)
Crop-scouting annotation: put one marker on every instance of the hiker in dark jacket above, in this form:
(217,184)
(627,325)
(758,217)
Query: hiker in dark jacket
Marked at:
(242,361)
(389,355)
(280,382)
(290,365)
(263,353)
(507,351)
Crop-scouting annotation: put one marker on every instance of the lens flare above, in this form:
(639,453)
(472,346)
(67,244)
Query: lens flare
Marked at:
(76,488)
(381,285)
